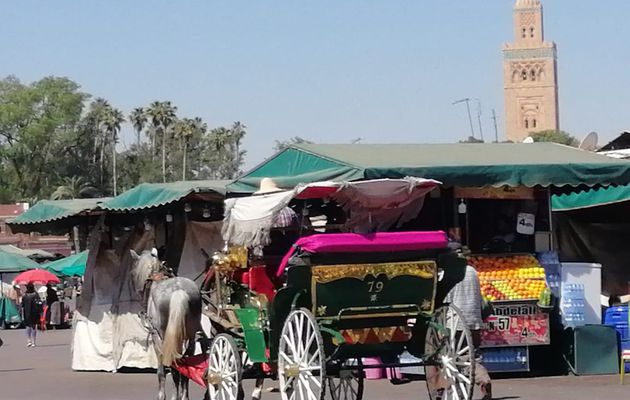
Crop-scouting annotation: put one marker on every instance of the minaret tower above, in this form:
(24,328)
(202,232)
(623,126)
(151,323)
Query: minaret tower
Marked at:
(529,75)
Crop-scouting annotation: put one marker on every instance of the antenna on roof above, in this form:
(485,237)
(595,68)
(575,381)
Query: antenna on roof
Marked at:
(589,143)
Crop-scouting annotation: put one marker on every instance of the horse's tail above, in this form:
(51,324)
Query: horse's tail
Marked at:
(175,334)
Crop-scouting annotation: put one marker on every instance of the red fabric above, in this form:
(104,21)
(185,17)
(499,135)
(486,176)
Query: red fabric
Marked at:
(42,318)
(259,282)
(366,243)
(193,368)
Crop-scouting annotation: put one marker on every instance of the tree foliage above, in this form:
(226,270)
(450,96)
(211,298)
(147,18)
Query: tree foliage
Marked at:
(57,141)
(555,137)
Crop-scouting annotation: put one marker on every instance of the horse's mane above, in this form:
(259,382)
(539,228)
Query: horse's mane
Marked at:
(144,266)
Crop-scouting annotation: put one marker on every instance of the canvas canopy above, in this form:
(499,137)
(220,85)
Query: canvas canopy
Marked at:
(150,195)
(591,198)
(375,204)
(108,333)
(46,211)
(458,164)
(30,253)
(69,266)
(11,262)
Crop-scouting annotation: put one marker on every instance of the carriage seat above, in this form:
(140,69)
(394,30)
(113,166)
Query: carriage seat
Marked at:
(380,242)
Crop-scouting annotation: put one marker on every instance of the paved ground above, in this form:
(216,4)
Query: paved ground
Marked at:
(44,372)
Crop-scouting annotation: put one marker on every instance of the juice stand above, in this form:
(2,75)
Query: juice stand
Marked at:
(515,286)
(504,228)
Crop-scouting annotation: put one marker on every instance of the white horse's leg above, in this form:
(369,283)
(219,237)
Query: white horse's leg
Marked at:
(183,381)
(258,389)
(161,380)
(176,380)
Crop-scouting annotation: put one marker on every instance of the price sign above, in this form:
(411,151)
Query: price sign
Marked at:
(516,325)
(525,223)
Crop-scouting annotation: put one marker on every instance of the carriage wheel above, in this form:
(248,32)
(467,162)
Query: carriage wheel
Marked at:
(224,369)
(349,384)
(301,363)
(449,344)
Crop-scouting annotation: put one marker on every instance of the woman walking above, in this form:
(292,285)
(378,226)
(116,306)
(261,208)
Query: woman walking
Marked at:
(31,309)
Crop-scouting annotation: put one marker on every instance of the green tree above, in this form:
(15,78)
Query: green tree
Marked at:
(37,122)
(555,137)
(138,120)
(225,157)
(162,115)
(113,119)
(74,188)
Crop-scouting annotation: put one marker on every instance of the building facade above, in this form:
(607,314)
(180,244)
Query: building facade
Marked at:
(530,75)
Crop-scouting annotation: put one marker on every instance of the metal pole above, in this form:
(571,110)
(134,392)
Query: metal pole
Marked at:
(496,132)
(467,101)
(472,130)
(479,118)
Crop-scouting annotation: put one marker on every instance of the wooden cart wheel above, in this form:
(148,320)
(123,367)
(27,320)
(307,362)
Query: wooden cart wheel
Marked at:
(449,344)
(349,384)
(224,369)
(301,362)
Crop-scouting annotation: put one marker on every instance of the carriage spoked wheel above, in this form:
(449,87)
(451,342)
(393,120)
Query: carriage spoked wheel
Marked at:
(301,362)
(349,384)
(449,345)
(224,369)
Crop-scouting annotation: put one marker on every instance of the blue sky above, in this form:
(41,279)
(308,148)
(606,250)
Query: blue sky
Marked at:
(328,71)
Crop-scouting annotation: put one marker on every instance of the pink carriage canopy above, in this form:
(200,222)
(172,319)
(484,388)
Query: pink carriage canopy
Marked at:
(366,243)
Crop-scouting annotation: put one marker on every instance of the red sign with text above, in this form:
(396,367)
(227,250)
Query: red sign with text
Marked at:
(516,324)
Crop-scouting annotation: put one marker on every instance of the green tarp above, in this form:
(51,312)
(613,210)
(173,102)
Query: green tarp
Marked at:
(9,313)
(45,211)
(458,164)
(11,262)
(149,195)
(590,198)
(68,266)
(30,253)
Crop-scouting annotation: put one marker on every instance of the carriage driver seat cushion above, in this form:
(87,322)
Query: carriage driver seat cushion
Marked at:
(259,282)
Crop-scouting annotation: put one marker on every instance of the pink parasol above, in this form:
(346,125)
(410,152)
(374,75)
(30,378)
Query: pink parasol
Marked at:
(39,276)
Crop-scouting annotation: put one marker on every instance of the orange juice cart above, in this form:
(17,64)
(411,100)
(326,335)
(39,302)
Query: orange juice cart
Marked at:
(514,285)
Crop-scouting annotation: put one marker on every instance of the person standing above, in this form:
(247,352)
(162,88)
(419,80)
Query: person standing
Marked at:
(31,310)
(466,296)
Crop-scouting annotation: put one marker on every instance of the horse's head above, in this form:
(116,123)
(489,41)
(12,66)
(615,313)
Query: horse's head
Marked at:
(144,265)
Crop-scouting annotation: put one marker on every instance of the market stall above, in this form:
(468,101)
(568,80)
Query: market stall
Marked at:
(496,201)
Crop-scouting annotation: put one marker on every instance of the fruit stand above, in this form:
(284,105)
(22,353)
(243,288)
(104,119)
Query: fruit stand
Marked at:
(514,284)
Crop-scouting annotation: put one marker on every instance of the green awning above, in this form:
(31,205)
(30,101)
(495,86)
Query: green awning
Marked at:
(45,211)
(457,164)
(590,198)
(30,253)
(149,195)
(68,266)
(11,262)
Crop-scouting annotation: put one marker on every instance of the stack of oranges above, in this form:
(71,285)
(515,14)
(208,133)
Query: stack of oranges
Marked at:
(515,277)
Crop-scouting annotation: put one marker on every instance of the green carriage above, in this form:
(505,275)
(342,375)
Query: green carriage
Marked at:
(333,300)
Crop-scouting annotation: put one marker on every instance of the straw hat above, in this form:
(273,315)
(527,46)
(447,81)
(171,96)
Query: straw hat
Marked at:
(267,185)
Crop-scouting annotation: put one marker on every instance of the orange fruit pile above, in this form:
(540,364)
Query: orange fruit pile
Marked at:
(516,277)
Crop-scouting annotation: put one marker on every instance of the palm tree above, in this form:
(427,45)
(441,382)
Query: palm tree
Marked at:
(138,119)
(238,133)
(162,115)
(72,188)
(112,122)
(184,130)
(97,114)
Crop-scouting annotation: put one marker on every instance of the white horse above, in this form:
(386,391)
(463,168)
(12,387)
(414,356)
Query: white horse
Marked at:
(174,315)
